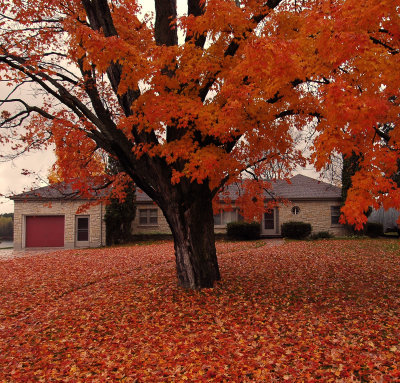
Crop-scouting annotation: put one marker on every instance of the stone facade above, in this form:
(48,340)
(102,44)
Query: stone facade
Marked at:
(67,208)
(317,213)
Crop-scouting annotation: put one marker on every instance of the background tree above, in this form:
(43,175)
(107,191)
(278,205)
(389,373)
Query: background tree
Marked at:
(351,164)
(6,226)
(121,210)
(185,116)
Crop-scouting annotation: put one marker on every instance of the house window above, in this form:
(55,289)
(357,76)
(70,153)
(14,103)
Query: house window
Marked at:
(335,215)
(295,210)
(148,217)
(224,217)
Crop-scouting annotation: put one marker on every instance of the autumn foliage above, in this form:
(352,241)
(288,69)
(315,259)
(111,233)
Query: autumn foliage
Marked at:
(190,103)
(301,311)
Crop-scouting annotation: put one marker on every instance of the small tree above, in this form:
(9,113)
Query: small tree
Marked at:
(6,226)
(121,210)
(119,216)
(351,164)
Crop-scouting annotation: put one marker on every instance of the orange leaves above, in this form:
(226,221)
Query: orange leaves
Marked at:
(208,162)
(221,20)
(252,201)
(237,91)
(371,187)
(301,311)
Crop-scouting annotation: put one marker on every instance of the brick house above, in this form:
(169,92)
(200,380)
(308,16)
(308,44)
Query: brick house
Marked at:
(310,200)
(47,217)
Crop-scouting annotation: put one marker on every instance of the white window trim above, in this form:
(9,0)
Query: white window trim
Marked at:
(296,210)
(335,224)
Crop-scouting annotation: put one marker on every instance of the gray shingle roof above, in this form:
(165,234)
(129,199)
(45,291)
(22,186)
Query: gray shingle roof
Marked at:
(141,196)
(301,187)
(59,191)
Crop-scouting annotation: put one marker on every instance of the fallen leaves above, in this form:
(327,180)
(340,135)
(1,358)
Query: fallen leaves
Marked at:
(302,311)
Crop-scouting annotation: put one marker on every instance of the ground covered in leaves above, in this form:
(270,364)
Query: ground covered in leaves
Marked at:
(297,312)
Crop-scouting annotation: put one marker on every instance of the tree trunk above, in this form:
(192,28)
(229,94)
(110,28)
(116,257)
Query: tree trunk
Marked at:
(188,210)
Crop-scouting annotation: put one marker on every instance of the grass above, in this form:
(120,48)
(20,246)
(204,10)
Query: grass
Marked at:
(301,311)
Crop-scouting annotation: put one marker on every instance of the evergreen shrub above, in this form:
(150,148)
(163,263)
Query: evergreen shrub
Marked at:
(321,235)
(373,229)
(243,230)
(296,230)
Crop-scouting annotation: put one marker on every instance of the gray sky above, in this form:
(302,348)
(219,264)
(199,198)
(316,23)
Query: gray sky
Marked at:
(12,181)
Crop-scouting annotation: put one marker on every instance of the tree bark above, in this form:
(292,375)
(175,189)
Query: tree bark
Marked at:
(188,210)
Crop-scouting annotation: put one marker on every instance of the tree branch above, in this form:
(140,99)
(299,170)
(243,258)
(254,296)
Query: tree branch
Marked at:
(100,18)
(196,8)
(391,50)
(165,31)
(28,110)
(234,46)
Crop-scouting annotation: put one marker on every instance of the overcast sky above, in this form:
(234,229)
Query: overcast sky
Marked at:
(12,181)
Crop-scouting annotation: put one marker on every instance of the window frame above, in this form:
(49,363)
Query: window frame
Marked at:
(295,210)
(148,216)
(235,210)
(335,215)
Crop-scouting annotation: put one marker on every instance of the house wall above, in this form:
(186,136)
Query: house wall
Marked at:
(161,227)
(317,213)
(97,235)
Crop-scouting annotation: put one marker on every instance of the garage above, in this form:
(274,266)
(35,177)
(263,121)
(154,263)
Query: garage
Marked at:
(44,231)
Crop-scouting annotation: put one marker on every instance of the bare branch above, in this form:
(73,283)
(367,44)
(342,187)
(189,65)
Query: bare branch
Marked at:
(100,18)
(391,50)
(28,110)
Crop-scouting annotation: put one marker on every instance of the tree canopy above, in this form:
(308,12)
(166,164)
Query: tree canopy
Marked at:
(188,103)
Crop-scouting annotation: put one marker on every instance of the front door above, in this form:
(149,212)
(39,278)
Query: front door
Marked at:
(82,231)
(270,223)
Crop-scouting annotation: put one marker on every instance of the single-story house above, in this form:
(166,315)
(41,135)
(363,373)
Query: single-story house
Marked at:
(310,200)
(47,217)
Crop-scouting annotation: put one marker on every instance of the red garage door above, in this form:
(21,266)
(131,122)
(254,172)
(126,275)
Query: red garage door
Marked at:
(45,231)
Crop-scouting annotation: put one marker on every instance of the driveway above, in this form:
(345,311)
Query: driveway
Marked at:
(6,244)
(11,253)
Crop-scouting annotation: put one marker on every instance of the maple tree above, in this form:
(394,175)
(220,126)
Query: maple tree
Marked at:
(187,103)
(320,311)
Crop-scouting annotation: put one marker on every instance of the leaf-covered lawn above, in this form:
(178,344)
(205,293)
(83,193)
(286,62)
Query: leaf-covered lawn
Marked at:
(303,311)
